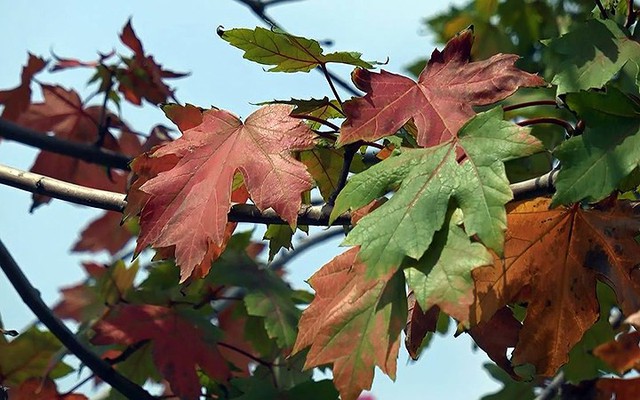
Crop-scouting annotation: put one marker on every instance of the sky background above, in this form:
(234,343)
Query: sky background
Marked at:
(181,36)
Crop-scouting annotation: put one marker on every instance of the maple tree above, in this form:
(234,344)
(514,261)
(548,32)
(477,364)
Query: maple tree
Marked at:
(497,193)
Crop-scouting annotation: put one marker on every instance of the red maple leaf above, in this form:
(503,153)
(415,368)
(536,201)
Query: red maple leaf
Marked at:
(63,114)
(142,79)
(104,233)
(36,388)
(188,202)
(179,345)
(17,100)
(439,103)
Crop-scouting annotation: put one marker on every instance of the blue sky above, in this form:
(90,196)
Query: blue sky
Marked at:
(181,36)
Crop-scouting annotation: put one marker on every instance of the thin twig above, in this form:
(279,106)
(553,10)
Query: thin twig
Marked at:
(248,355)
(318,120)
(31,297)
(631,14)
(551,390)
(603,12)
(349,152)
(549,120)
(105,120)
(329,79)
(530,104)
(77,386)
(277,264)
(85,152)
(258,8)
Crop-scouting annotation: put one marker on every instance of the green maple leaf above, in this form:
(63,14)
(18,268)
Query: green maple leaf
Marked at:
(442,276)
(426,180)
(287,52)
(580,64)
(596,163)
(33,354)
(511,389)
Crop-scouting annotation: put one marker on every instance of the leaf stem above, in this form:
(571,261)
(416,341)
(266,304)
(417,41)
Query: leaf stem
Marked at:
(549,120)
(32,299)
(105,120)
(318,120)
(248,355)
(530,104)
(327,76)
(349,152)
(632,15)
(603,12)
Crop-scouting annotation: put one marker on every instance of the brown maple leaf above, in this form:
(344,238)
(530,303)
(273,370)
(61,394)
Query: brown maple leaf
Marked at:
(179,346)
(439,103)
(419,323)
(552,259)
(17,100)
(188,203)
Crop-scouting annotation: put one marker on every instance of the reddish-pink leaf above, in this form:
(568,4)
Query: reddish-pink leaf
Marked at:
(353,323)
(17,100)
(440,102)
(180,347)
(104,233)
(188,203)
(62,63)
(142,79)
(63,114)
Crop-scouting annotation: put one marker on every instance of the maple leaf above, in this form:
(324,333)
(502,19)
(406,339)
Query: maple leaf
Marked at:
(104,233)
(62,63)
(353,323)
(287,52)
(267,294)
(108,285)
(442,277)
(585,64)
(63,114)
(619,389)
(419,324)
(179,345)
(17,100)
(596,162)
(188,203)
(30,355)
(36,388)
(439,103)
(497,336)
(552,260)
(143,77)
(428,180)
(622,353)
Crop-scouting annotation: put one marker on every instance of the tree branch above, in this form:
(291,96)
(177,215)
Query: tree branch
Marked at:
(84,152)
(31,298)
(77,194)
(308,214)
